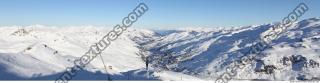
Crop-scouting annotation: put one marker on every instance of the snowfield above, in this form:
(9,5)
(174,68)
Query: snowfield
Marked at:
(42,53)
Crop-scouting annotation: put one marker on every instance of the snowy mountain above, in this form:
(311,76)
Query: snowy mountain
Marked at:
(42,53)
(206,54)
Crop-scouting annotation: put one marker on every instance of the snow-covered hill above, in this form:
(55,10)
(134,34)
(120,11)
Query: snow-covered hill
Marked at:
(206,54)
(36,51)
(42,52)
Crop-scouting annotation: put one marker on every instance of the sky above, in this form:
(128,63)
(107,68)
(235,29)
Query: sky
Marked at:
(162,13)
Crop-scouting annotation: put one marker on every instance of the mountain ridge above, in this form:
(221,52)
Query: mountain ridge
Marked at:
(198,53)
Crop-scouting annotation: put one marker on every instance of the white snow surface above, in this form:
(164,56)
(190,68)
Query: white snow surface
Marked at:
(43,52)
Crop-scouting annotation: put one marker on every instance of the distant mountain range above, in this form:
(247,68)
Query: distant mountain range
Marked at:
(42,53)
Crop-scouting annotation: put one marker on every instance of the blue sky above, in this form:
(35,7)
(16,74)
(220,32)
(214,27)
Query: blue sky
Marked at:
(162,13)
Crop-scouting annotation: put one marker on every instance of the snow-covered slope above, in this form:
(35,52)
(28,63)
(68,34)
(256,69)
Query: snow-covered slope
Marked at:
(37,51)
(206,54)
(41,52)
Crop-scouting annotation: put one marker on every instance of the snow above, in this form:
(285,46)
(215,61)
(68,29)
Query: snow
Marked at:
(41,52)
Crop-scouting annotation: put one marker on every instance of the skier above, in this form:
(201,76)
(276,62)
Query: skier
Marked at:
(147,63)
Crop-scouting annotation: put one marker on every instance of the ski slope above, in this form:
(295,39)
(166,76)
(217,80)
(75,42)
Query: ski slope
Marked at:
(40,52)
